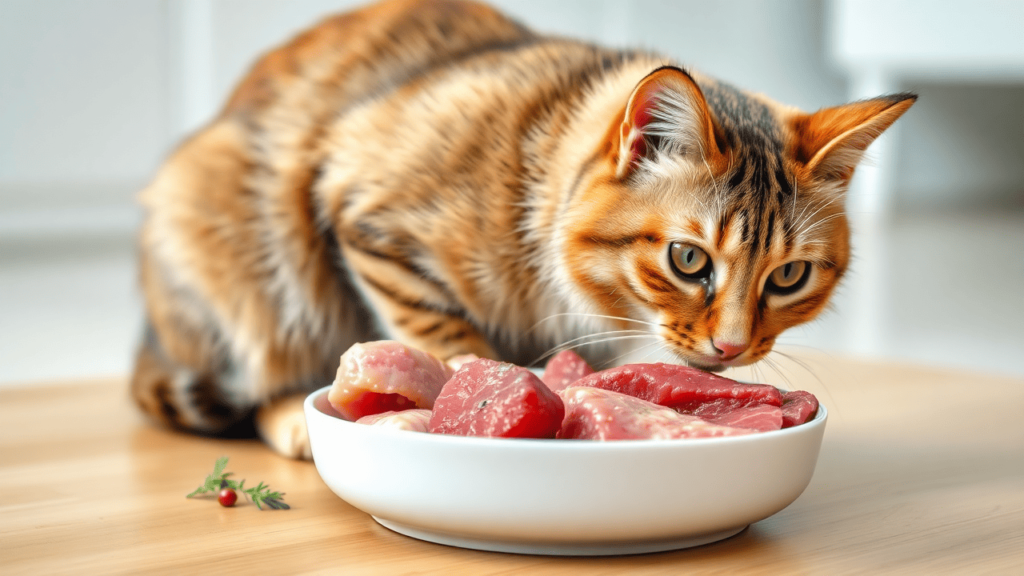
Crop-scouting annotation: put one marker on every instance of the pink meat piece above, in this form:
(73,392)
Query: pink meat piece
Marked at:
(565,368)
(595,414)
(415,420)
(761,417)
(680,387)
(488,398)
(385,376)
(798,407)
(456,362)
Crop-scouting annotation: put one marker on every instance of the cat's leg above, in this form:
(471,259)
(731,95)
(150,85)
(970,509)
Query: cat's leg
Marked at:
(181,396)
(281,424)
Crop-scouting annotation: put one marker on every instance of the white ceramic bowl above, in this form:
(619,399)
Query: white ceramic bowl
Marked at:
(567,497)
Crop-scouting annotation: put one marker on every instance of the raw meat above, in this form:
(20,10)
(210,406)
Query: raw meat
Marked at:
(760,417)
(595,414)
(798,407)
(565,368)
(415,420)
(680,387)
(386,376)
(488,398)
(456,362)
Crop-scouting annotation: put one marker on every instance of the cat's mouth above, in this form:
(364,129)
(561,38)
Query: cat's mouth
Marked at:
(700,361)
(707,367)
(714,364)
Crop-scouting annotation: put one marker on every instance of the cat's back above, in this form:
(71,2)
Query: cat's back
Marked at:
(368,52)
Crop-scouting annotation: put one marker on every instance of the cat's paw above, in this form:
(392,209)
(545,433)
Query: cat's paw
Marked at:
(282,426)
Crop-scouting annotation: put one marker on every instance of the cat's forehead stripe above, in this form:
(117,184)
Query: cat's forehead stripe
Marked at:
(696,228)
(620,241)
(751,130)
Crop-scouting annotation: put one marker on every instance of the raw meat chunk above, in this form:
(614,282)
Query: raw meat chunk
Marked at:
(565,368)
(681,387)
(798,407)
(594,414)
(488,398)
(456,362)
(761,417)
(386,376)
(415,420)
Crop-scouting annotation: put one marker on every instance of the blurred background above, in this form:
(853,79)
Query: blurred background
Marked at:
(94,94)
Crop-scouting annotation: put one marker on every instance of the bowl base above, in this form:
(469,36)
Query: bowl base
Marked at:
(558,548)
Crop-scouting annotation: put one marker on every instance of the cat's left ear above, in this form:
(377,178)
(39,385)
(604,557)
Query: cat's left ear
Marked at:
(666,112)
(831,141)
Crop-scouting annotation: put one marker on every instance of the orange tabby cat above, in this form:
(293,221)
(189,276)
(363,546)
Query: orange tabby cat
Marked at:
(435,173)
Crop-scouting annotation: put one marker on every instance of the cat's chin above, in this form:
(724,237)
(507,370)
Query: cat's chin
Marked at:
(705,363)
(707,368)
(709,363)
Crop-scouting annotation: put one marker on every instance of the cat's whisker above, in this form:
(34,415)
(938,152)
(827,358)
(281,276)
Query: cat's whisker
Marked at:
(817,206)
(820,222)
(798,362)
(564,347)
(612,361)
(777,369)
(800,227)
(601,341)
(714,183)
(796,192)
(805,366)
(605,333)
(588,315)
(665,347)
(755,373)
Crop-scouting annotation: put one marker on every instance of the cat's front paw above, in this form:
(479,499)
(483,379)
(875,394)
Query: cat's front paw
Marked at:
(282,426)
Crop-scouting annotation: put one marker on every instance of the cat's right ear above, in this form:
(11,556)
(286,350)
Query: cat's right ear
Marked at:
(831,141)
(666,112)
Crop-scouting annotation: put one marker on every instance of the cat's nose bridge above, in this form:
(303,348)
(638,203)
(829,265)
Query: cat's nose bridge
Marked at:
(731,334)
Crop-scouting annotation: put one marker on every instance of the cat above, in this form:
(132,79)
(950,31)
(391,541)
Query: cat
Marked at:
(435,173)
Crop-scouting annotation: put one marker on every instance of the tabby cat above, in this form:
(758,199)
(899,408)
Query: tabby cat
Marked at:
(435,173)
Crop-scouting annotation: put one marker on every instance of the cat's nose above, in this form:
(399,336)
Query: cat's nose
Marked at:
(729,350)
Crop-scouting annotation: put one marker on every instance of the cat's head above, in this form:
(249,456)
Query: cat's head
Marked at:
(717,215)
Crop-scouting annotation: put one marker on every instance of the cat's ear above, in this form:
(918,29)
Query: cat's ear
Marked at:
(831,141)
(666,112)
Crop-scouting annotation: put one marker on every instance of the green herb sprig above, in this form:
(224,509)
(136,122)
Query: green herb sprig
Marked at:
(260,495)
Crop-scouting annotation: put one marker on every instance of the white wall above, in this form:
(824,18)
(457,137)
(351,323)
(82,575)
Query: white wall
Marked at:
(83,99)
(95,93)
(962,146)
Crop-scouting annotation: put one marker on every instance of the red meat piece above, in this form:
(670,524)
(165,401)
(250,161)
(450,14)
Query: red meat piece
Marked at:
(594,414)
(565,368)
(488,398)
(761,417)
(798,407)
(682,388)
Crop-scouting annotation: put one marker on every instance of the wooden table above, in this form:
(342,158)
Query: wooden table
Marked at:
(921,472)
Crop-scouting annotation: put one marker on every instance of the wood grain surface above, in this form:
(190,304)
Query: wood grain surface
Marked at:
(921,472)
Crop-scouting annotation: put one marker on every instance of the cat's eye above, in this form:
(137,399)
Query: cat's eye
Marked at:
(689,262)
(788,278)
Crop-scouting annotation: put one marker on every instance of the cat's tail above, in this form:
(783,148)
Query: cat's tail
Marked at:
(182,397)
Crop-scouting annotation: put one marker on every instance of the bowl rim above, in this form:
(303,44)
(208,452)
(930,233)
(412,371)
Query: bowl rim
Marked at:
(819,419)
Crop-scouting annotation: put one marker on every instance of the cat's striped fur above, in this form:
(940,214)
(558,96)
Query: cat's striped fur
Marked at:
(435,173)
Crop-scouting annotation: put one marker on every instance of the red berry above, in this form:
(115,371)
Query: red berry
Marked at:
(227,497)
